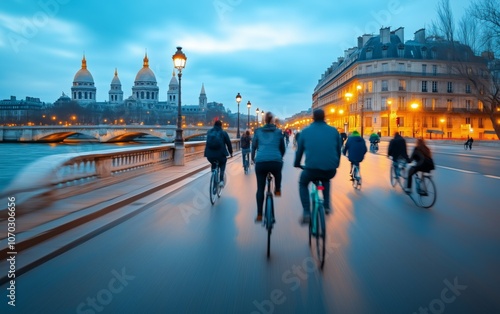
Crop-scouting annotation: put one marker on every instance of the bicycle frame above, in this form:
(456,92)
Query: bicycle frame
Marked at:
(269,212)
(317,225)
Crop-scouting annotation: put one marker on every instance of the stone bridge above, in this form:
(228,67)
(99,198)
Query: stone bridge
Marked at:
(101,133)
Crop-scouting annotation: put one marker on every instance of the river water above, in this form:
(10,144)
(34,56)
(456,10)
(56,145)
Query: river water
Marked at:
(15,156)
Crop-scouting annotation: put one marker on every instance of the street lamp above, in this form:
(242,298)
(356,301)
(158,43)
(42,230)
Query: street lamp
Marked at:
(249,104)
(362,107)
(179,59)
(414,106)
(442,127)
(262,118)
(238,99)
(389,103)
(257,116)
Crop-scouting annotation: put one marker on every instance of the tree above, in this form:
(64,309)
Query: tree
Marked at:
(479,30)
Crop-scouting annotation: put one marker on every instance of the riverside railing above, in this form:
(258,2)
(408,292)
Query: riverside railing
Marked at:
(63,170)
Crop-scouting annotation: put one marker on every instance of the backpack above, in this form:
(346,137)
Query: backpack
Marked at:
(215,140)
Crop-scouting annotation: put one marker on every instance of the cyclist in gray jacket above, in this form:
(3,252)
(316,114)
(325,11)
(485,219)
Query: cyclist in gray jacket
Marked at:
(321,144)
(268,148)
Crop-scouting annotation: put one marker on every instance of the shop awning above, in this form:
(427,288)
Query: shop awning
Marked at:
(435,131)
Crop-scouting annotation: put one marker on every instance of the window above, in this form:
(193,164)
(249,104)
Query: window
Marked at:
(368,104)
(424,69)
(434,69)
(450,87)
(385,87)
(480,123)
(467,88)
(147,95)
(467,104)
(142,95)
(383,105)
(434,86)
(424,86)
(449,104)
(383,121)
(86,95)
(368,122)
(467,121)
(402,85)
(434,122)
(401,103)
(424,103)
(79,95)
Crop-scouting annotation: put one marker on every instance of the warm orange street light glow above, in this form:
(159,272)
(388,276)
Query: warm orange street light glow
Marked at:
(414,105)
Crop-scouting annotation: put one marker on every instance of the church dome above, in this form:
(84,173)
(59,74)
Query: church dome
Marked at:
(116,80)
(145,74)
(83,75)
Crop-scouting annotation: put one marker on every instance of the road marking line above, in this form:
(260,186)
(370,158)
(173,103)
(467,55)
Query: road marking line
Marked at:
(455,169)
(493,177)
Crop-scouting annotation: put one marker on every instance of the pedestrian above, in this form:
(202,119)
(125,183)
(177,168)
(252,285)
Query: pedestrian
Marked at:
(470,143)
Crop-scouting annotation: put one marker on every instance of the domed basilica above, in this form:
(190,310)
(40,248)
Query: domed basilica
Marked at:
(144,100)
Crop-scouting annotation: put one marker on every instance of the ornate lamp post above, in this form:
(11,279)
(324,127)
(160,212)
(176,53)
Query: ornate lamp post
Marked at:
(249,104)
(238,99)
(179,59)
(257,116)
(262,119)
(359,88)
(414,106)
(389,103)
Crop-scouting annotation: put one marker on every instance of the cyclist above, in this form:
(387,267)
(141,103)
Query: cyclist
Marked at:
(422,155)
(268,148)
(215,148)
(374,140)
(321,145)
(287,137)
(397,149)
(355,149)
(245,142)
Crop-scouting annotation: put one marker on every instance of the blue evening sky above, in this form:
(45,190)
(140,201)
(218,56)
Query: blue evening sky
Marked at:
(272,52)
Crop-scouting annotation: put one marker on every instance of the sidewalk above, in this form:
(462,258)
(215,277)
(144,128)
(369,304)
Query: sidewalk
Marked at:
(76,215)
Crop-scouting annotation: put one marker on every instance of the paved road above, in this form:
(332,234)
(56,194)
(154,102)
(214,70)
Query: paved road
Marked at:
(184,255)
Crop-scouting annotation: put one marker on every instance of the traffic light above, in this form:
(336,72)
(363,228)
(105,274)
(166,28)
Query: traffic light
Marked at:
(397,121)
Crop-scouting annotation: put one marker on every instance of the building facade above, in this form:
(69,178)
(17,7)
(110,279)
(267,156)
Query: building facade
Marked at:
(385,84)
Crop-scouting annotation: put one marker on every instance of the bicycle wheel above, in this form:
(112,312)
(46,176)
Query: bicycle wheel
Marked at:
(357,179)
(320,235)
(427,192)
(394,178)
(219,188)
(214,185)
(246,166)
(269,221)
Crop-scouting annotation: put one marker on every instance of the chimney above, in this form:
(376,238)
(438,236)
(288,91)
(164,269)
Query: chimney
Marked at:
(420,36)
(385,35)
(400,32)
(360,42)
(366,38)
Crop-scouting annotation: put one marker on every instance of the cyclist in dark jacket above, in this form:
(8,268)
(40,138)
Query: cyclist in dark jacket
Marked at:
(397,148)
(220,154)
(355,149)
(422,155)
(245,142)
(268,148)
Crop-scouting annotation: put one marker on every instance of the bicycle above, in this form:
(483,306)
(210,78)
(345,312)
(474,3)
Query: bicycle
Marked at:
(269,212)
(374,148)
(466,145)
(215,188)
(425,187)
(246,162)
(317,225)
(356,177)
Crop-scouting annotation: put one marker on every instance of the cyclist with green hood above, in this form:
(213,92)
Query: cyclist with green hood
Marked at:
(355,150)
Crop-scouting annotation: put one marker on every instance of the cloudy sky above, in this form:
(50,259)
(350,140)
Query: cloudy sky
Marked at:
(272,52)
